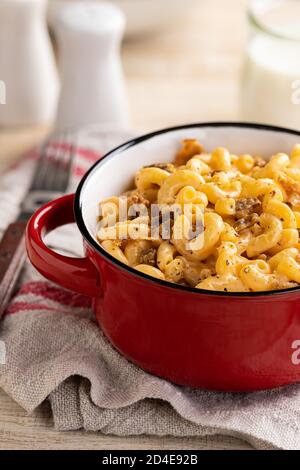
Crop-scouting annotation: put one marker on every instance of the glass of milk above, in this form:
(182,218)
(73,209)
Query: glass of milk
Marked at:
(270,91)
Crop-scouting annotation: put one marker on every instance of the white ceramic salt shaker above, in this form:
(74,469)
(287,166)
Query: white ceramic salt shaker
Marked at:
(89,35)
(27,64)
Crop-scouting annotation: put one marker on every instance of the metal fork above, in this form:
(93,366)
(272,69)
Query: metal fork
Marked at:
(50,180)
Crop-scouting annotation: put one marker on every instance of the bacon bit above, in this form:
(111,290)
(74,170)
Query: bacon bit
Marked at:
(190,147)
(137,198)
(245,207)
(246,222)
(169,167)
(148,256)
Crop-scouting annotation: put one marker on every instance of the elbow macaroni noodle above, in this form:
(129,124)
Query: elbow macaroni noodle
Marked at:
(214,221)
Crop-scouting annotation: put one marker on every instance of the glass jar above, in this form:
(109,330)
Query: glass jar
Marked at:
(270,91)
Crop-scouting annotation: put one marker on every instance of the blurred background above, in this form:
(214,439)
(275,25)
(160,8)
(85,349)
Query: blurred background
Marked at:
(183,61)
(186,71)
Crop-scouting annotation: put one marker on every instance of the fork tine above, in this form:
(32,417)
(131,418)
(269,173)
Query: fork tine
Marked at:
(53,167)
(54,164)
(68,163)
(52,173)
(40,168)
(65,164)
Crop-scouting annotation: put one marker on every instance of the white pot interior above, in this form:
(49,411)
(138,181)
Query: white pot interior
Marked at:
(115,173)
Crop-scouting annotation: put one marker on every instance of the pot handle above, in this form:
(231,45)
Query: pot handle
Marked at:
(77,274)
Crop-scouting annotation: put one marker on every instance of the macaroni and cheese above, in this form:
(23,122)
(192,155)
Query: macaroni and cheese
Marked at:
(214,221)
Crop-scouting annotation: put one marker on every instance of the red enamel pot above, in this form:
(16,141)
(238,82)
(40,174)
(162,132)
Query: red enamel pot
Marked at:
(213,340)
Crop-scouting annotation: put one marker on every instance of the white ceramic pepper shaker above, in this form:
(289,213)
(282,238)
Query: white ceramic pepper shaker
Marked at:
(27,64)
(89,35)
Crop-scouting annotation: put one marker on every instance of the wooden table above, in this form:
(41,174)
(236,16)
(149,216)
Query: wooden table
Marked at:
(187,74)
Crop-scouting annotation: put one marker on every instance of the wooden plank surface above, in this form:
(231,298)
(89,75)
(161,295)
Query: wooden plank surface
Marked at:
(20,431)
(187,74)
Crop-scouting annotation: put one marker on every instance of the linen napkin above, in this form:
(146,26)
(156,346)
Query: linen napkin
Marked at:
(52,349)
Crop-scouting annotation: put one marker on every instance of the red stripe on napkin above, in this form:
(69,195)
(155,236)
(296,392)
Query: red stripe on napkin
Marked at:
(51,292)
(18,307)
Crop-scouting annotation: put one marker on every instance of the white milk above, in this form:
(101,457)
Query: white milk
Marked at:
(271,82)
(271,74)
